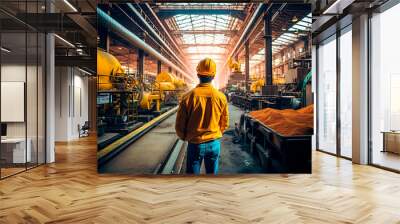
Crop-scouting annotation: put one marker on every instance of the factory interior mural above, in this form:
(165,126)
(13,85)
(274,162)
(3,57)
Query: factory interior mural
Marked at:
(204,88)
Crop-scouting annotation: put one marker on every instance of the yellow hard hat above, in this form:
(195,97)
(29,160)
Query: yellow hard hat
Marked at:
(206,67)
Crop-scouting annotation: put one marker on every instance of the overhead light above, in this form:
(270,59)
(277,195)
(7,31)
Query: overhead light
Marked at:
(64,40)
(84,71)
(294,19)
(79,51)
(5,50)
(70,5)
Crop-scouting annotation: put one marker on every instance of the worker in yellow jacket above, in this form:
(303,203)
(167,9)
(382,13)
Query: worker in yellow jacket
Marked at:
(202,119)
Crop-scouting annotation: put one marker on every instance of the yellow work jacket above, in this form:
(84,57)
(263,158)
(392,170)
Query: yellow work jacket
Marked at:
(202,115)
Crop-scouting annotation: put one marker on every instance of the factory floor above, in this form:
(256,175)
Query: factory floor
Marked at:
(234,157)
(148,153)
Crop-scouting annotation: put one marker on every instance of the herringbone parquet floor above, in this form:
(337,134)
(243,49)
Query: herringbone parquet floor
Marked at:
(71,191)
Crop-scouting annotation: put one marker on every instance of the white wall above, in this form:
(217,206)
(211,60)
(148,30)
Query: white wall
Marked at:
(34,125)
(16,73)
(62,82)
(71,102)
(12,73)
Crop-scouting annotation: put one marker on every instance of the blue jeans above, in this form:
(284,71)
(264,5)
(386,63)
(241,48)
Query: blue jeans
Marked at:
(209,151)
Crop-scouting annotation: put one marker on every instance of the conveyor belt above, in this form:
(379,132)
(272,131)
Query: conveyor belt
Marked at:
(114,148)
(159,152)
(147,154)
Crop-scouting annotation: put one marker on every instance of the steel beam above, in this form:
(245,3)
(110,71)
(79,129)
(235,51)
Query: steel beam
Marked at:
(168,13)
(268,48)
(247,64)
(205,53)
(159,67)
(205,45)
(202,6)
(140,65)
(195,1)
(78,61)
(208,1)
(225,32)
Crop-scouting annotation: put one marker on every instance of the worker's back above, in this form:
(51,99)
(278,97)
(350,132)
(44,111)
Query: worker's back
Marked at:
(202,114)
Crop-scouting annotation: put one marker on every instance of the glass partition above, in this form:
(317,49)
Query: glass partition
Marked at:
(32,98)
(327,95)
(385,89)
(41,97)
(22,87)
(15,150)
(346,93)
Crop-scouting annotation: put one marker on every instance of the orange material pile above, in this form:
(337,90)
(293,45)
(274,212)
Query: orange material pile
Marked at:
(287,122)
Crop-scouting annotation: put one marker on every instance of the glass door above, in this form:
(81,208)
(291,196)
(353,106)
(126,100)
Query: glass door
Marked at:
(385,89)
(326,60)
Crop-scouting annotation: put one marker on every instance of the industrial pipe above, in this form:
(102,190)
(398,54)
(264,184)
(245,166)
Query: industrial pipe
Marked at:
(154,33)
(162,26)
(135,40)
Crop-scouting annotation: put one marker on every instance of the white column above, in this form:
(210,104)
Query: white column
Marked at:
(63,102)
(50,98)
(360,89)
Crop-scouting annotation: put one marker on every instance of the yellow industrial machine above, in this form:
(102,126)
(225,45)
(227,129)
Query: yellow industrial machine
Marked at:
(278,80)
(257,85)
(112,78)
(164,82)
(107,67)
(236,78)
(234,65)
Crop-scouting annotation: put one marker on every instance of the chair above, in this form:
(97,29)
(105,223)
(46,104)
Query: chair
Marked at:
(84,130)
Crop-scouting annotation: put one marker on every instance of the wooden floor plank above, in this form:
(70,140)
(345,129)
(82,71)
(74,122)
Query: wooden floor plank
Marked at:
(71,191)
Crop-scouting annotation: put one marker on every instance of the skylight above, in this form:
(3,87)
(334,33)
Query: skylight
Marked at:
(284,39)
(208,49)
(204,35)
(237,6)
(292,35)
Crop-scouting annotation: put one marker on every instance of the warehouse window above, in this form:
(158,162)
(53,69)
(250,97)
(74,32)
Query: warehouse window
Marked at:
(204,35)
(346,92)
(385,87)
(327,95)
